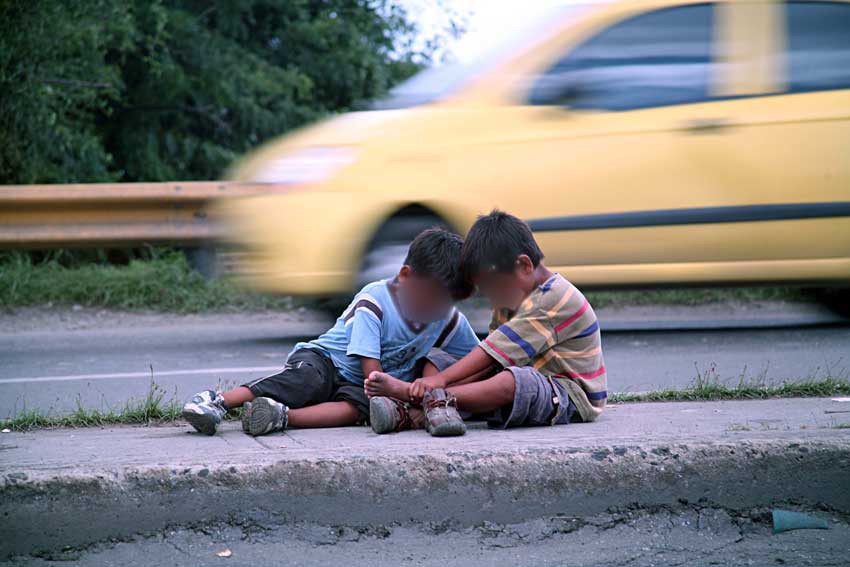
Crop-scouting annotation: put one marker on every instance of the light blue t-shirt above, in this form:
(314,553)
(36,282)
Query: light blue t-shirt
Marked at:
(372,327)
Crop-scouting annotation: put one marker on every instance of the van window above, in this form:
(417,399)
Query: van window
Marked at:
(659,58)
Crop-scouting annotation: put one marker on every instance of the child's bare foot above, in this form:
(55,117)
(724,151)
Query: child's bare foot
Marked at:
(382,384)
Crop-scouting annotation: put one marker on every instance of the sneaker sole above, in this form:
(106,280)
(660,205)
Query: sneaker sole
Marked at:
(261,416)
(246,417)
(381,416)
(200,422)
(448,429)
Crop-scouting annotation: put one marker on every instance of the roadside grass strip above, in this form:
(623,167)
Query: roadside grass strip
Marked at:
(162,280)
(151,410)
(154,408)
(710,386)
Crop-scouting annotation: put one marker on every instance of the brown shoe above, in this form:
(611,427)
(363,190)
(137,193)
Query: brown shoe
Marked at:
(441,416)
(387,415)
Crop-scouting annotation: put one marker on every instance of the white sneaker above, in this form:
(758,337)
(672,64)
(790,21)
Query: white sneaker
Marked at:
(265,416)
(205,411)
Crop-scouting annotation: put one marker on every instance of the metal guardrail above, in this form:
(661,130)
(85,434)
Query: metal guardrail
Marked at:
(113,214)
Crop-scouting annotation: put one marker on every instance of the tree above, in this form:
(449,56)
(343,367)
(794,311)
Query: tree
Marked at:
(146,90)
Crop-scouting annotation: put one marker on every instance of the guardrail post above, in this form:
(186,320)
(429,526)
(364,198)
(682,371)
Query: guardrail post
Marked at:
(203,259)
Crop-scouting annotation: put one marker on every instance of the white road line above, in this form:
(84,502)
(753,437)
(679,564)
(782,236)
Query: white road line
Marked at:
(156,374)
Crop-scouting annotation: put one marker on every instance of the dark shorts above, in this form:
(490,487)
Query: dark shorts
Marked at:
(308,378)
(537,401)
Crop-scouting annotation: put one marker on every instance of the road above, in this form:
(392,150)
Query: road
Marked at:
(100,359)
(700,536)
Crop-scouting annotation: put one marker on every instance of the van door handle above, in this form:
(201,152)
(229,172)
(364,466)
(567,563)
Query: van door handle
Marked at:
(706,126)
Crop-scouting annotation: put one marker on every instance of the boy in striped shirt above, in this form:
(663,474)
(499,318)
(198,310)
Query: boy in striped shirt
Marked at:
(542,362)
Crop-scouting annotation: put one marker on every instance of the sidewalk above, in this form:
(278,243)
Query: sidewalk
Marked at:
(72,487)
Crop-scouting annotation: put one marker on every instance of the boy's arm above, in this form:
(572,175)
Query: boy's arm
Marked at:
(363,324)
(369,365)
(513,343)
(476,362)
(474,366)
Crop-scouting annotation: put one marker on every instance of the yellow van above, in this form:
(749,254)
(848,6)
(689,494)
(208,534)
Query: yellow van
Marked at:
(645,142)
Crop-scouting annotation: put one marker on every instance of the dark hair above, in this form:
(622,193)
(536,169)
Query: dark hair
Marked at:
(495,242)
(435,254)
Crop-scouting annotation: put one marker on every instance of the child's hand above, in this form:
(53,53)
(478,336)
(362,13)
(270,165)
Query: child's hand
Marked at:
(421,385)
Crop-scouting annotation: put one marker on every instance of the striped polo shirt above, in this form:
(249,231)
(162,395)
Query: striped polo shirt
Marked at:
(556,332)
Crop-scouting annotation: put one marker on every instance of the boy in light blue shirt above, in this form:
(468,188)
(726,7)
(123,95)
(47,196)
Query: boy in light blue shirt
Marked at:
(402,326)
(374,327)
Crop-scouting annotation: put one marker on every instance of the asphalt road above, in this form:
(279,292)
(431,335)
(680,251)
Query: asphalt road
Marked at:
(700,536)
(101,360)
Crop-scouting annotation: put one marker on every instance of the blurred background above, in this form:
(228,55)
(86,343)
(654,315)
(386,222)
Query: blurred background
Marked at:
(296,147)
(188,187)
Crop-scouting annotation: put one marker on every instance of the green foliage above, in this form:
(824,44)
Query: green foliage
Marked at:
(148,90)
(54,83)
(162,281)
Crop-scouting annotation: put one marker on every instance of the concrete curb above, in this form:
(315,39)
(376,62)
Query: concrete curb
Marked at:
(464,489)
(354,478)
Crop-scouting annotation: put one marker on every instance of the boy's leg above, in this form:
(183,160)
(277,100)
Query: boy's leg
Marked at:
(300,383)
(481,396)
(437,360)
(339,403)
(487,395)
(308,380)
(237,396)
(517,396)
(327,414)
(382,384)
(428,369)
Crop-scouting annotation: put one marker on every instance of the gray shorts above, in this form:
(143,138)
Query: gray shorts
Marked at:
(439,358)
(537,401)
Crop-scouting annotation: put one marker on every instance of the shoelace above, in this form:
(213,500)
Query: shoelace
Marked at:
(406,422)
(447,402)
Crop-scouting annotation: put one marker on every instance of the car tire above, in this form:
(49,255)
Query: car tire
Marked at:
(836,299)
(388,248)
